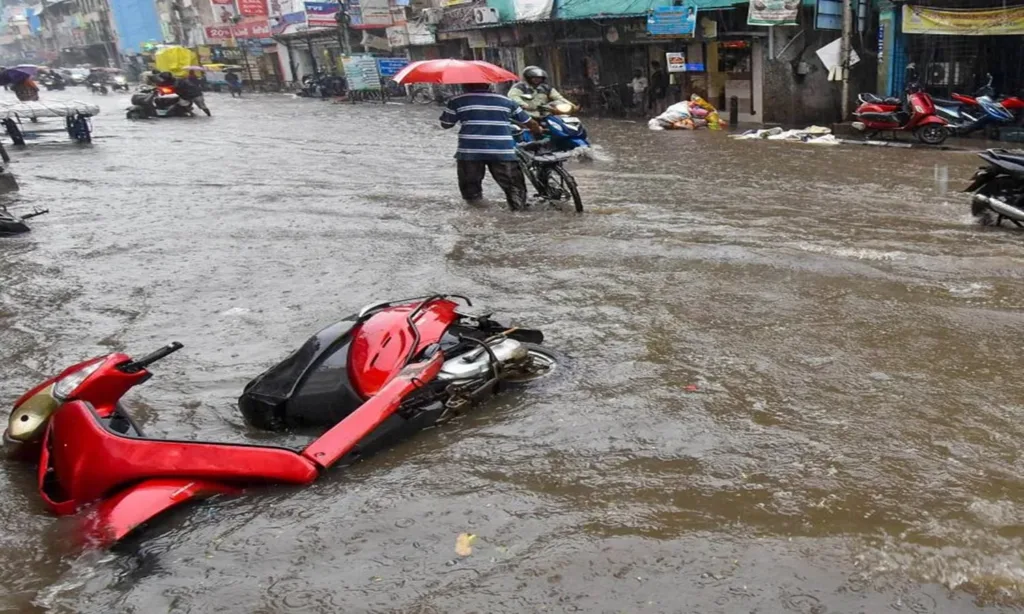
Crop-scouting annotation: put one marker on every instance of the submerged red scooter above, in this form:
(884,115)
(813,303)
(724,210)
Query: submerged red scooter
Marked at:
(374,377)
(915,115)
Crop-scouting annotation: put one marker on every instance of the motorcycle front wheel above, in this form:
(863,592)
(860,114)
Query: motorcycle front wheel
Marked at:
(932,134)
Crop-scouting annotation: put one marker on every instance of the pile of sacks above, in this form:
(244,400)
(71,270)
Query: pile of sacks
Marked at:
(688,115)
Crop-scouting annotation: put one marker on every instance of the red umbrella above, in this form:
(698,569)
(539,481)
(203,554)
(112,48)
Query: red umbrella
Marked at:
(453,72)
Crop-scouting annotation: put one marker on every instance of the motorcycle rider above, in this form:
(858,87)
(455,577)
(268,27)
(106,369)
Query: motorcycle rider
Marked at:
(533,92)
(187,90)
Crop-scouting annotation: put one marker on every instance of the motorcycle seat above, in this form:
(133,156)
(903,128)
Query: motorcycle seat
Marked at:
(947,102)
(1011,155)
(86,459)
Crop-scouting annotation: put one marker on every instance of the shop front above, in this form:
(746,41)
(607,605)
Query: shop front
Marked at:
(954,49)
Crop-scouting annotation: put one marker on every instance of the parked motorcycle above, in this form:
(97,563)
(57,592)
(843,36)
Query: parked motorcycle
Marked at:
(159,101)
(377,376)
(967,114)
(998,188)
(916,114)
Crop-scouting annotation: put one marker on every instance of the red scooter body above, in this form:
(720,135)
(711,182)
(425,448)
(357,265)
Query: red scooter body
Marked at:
(94,456)
(920,120)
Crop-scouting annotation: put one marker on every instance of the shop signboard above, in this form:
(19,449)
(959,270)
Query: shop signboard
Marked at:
(321,14)
(773,12)
(218,33)
(676,62)
(673,21)
(965,22)
(375,13)
(255,29)
(533,10)
(252,8)
(389,67)
(361,72)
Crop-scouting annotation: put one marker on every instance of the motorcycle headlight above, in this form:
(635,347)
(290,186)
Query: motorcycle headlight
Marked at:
(66,386)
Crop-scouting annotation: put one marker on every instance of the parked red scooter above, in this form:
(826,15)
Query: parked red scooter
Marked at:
(916,115)
(384,373)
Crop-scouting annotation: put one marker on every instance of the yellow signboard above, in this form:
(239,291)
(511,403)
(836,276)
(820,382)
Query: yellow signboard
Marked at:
(969,22)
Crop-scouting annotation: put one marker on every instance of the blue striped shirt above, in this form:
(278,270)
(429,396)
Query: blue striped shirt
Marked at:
(486,132)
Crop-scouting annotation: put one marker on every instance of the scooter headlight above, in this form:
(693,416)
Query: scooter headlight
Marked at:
(66,386)
(27,421)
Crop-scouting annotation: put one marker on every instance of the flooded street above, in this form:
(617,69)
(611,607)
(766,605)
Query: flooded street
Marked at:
(790,383)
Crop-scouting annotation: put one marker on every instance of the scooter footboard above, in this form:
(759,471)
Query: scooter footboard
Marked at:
(114,518)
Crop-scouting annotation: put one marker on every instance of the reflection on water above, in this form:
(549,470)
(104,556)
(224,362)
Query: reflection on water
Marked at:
(792,382)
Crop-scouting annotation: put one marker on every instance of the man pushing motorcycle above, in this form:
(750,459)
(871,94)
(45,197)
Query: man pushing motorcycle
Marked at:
(486,142)
(533,92)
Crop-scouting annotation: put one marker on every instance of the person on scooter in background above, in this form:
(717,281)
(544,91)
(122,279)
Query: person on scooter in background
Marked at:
(533,92)
(186,89)
(486,143)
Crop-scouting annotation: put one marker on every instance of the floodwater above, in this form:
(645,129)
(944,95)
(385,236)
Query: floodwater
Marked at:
(791,382)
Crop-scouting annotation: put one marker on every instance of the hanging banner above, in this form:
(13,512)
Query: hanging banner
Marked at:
(420,33)
(773,12)
(286,20)
(321,14)
(968,22)
(533,10)
(673,22)
(398,37)
(253,8)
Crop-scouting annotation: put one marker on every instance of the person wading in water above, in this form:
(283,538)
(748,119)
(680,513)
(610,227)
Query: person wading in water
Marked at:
(486,143)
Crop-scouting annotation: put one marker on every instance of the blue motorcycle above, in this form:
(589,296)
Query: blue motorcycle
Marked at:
(543,160)
(965,118)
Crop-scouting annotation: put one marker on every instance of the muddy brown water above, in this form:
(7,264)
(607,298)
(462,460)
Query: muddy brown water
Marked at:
(791,382)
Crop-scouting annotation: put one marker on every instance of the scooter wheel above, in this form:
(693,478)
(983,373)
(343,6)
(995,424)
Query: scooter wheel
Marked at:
(932,134)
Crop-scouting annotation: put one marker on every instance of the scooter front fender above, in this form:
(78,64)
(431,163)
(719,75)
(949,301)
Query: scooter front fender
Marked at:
(114,518)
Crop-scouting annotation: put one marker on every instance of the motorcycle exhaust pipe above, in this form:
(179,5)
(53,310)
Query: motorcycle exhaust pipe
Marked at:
(1000,207)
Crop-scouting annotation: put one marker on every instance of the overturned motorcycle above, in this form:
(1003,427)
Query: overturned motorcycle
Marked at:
(998,188)
(373,378)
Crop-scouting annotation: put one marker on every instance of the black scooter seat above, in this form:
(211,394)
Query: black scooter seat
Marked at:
(876,99)
(946,102)
(881,117)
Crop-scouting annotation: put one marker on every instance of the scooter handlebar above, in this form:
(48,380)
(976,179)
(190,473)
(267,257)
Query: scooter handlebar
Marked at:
(135,366)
